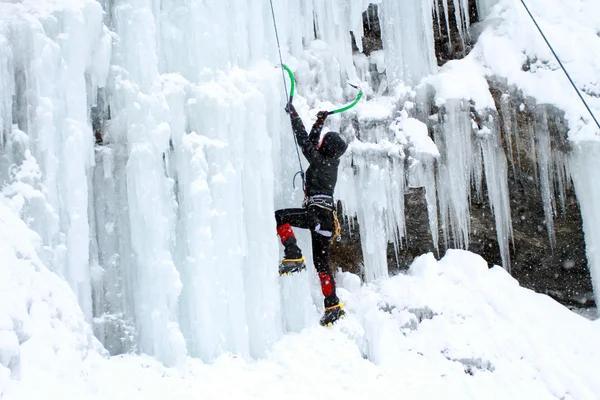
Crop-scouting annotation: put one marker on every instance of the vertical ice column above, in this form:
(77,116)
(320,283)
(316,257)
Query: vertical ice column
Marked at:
(205,300)
(496,178)
(8,90)
(230,301)
(6,97)
(456,169)
(216,116)
(407,34)
(77,151)
(261,245)
(113,293)
(52,57)
(157,284)
(584,167)
(139,112)
(200,316)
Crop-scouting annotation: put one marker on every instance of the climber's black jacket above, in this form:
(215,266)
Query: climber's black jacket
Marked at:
(324,157)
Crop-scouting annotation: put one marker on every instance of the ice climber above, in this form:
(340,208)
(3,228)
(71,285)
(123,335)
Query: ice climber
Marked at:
(317,213)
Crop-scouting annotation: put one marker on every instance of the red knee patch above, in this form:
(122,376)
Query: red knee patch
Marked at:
(326,283)
(285,232)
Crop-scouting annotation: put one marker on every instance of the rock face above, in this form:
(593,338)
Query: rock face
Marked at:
(548,249)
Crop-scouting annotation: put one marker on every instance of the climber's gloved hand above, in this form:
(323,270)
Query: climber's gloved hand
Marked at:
(321,117)
(291,110)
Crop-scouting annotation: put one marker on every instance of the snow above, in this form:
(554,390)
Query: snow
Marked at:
(510,40)
(451,328)
(42,327)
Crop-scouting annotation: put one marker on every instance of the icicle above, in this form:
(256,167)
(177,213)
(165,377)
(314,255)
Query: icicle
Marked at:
(371,187)
(458,16)
(407,34)
(496,178)
(438,16)
(509,124)
(447,17)
(545,165)
(455,171)
(464,6)
(8,90)
(584,166)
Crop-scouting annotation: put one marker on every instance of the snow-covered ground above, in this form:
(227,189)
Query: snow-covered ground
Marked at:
(450,329)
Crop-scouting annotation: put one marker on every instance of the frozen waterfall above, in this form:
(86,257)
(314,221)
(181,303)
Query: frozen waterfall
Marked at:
(163,151)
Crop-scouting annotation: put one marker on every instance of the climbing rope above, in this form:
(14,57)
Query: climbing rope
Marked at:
(290,98)
(561,64)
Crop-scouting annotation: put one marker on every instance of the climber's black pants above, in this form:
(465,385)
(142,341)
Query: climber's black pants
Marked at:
(320,222)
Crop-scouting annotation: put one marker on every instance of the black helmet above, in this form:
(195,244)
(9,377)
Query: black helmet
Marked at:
(333,145)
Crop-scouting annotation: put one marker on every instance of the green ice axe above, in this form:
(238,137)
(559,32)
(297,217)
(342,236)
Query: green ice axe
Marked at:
(292,80)
(349,106)
(339,110)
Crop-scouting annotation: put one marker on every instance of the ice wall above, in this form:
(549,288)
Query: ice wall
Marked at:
(164,228)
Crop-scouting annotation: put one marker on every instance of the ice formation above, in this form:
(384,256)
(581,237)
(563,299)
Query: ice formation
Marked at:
(163,150)
(585,163)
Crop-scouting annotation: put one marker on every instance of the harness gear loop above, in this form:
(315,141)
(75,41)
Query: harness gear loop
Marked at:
(337,230)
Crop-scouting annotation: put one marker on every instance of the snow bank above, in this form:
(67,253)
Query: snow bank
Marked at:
(449,329)
(458,321)
(43,333)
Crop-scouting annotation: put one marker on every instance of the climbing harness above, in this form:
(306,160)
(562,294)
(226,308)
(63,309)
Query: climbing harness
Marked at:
(289,99)
(561,64)
(326,202)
